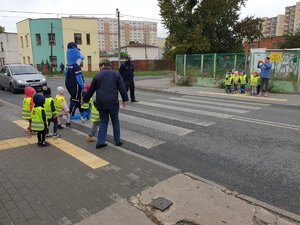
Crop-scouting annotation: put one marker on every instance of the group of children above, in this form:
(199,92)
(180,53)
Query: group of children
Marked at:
(237,79)
(42,110)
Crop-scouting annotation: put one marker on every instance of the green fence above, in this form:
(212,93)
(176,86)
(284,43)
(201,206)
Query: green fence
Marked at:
(285,64)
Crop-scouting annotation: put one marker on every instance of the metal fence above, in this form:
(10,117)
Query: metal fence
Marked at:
(285,64)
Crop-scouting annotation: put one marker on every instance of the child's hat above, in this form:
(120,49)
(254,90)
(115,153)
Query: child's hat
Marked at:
(87,87)
(46,90)
(29,91)
(38,99)
(60,90)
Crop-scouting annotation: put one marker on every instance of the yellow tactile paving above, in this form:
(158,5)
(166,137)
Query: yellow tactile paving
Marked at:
(243,96)
(80,154)
(16,142)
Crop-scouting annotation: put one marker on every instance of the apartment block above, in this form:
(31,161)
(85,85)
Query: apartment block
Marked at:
(297,18)
(144,32)
(273,26)
(9,51)
(289,19)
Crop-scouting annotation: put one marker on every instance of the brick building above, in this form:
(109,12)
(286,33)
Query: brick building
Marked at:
(268,43)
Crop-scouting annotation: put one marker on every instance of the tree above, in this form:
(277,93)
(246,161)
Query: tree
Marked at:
(291,41)
(206,26)
(2,29)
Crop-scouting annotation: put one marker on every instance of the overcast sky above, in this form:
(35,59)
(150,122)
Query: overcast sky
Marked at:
(137,8)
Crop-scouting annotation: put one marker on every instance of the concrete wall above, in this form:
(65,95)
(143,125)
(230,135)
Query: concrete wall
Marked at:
(24,42)
(9,50)
(84,26)
(42,52)
(139,53)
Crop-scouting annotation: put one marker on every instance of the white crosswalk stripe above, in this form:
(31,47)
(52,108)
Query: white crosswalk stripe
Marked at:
(237,105)
(226,100)
(187,110)
(203,106)
(155,125)
(173,116)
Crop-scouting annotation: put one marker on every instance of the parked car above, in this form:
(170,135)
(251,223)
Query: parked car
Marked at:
(16,77)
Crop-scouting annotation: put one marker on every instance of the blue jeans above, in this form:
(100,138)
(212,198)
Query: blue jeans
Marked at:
(114,116)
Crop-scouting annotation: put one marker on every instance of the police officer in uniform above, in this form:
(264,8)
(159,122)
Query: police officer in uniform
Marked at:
(127,72)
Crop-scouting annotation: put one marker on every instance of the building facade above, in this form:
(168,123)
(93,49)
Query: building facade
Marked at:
(9,50)
(273,26)
(137,31)
(84,32)
(138,51)
(267,43)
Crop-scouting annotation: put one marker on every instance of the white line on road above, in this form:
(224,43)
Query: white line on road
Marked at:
(180,131)
(203,106)
(172,116)
(187,110)
(213,102)
(267,123)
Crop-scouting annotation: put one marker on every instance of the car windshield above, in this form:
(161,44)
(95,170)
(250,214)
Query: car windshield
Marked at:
(22,69)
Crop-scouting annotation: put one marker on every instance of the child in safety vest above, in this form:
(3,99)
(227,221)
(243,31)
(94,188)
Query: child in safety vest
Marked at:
(236,80)
(62,108)
(28,106)
(228,82)
(39,119)
(50,110)
(254,81)
(243,81)
(95,118)
(86,107)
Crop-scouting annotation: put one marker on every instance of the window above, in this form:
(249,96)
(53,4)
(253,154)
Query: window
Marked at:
(28,59)
(2,50)
(88,39)
(89,59)
(51,39)
(77,38)
(53,61)
(22,44)
(26,40)
(24,60)
(38,39)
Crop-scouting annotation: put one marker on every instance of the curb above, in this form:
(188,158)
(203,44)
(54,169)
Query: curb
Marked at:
(283,213)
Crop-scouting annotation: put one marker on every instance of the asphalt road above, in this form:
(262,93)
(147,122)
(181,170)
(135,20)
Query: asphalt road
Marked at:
(250,148)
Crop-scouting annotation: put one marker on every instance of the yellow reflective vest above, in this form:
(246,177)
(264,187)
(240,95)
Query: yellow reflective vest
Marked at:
(87,105)
(47,108)
(58,103)
(95,115)
(236,79)
(254,81)
(37,123)
(228,79)
(26,113)
(243,79)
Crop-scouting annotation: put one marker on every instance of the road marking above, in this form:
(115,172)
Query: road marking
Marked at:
(243,96)
(80,154)
(155,125)
(16,142)
(187,110)
(267,123)
(172,116)
(213,102)
(226,100)
(203,106)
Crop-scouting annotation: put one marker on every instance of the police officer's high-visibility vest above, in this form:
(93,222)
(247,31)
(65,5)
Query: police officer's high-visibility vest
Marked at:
(228,79)
(95,115)
(37,123)
(86,105)
(58,103)
(26,113)
(47,108)
(254,81)
(243,79)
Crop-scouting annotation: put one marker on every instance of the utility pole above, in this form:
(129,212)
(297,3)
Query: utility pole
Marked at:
(51,49)
(119,37)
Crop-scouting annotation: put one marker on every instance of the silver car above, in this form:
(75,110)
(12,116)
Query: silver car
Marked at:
(17,76)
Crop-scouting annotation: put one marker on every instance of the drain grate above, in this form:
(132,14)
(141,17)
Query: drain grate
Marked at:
(137,185)
(161,203)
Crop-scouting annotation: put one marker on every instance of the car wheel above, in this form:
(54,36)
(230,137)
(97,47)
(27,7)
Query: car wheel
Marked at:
(1,88)
(12,89)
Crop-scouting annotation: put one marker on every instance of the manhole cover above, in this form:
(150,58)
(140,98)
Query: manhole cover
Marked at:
(161,203)
(185,222)
(137,185)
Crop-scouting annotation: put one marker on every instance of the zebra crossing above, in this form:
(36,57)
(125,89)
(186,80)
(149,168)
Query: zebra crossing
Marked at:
(148,124)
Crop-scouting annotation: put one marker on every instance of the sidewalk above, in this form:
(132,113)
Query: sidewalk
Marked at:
(167,85)
(71,182)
